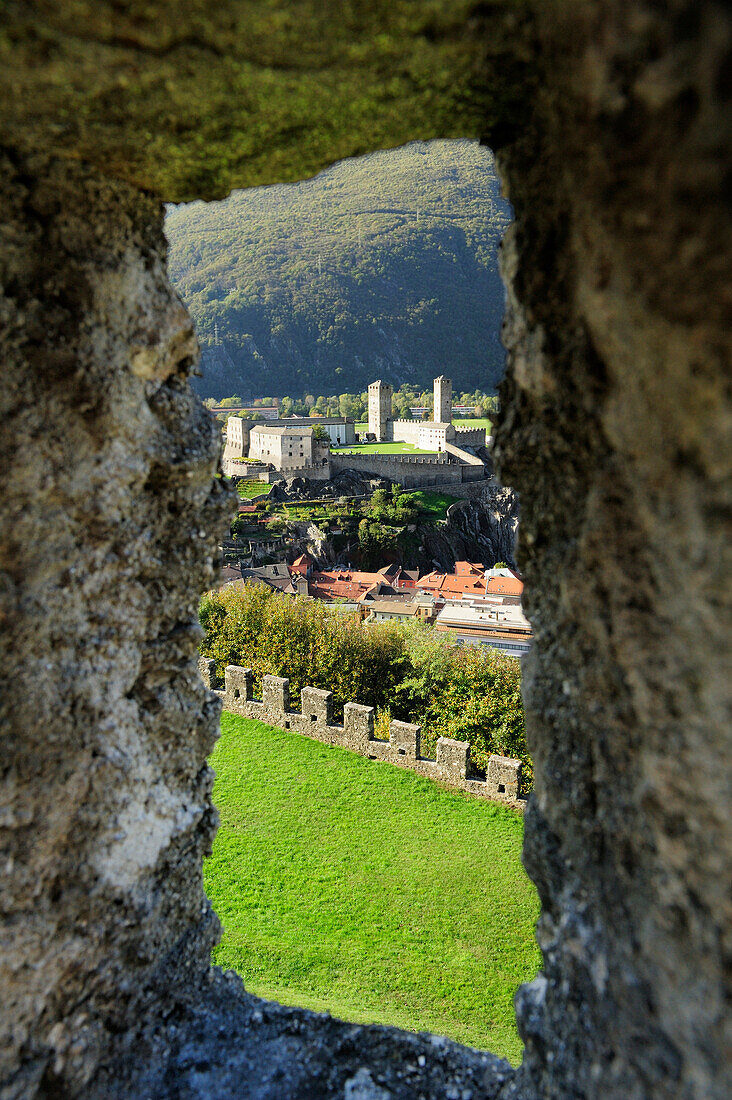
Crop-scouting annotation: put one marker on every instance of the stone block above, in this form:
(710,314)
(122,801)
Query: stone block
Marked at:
(317,705)
(207,669)
(275,695)
(502,777)
(358,726)
(453,758)
(404,737)
(237,685)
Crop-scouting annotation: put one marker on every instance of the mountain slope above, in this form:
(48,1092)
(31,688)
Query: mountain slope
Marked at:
(382,266)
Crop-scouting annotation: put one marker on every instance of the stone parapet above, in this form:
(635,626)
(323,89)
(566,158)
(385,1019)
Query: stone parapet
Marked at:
(410,470)
(315,719)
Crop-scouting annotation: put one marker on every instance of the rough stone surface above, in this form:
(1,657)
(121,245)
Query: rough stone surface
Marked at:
(615,432)
(217,1041)
(109,516)
(189,100)
(611,125)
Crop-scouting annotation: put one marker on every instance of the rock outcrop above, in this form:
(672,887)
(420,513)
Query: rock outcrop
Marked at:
(610,124)
(483,528)
(346,483)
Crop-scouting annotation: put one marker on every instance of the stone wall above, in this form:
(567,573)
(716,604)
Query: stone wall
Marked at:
(469,437)
(315,719)
(473,468)
(611,126)
(105,724)
(411,471)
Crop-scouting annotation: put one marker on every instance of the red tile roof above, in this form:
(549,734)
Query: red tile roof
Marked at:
(505,586)
(469,580)
(301,564)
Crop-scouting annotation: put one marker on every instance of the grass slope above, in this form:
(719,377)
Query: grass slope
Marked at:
(381,449)
(382,266)
(432,502)
(353,886)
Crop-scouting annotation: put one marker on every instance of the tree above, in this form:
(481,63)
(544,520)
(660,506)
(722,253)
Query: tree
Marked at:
(320,435)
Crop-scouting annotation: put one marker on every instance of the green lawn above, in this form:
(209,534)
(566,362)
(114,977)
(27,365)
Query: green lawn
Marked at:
(479,422)
(251,488)
(433,503)
(381,448)
(348,885)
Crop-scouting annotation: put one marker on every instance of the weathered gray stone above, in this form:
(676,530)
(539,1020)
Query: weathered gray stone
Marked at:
(610,121)
(503,776)
(109,516)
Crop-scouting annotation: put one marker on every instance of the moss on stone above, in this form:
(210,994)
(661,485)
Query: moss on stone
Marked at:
(233,94)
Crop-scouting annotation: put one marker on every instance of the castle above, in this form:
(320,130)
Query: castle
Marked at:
(428,435)
(288,447)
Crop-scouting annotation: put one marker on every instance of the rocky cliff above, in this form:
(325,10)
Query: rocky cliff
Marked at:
(483,528)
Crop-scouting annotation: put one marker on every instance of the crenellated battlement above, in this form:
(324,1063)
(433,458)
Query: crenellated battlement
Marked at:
(315,719)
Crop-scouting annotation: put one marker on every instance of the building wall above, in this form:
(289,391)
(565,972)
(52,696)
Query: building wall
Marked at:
(285,450)
(237,436)
(341,434)
(434,436)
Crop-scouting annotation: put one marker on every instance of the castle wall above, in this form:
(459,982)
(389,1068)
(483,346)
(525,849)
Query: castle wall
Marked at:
(315,719)
(318,471)
(470,437)
(411,471)
(406,431)
(472,467)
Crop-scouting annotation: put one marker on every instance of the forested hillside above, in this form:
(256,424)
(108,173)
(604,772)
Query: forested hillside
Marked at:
(382,266)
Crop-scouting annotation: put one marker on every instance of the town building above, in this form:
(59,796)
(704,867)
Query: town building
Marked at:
(476,606)
(470,579)
(502,627)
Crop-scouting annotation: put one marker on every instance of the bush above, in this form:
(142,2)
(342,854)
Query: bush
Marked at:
(303,639)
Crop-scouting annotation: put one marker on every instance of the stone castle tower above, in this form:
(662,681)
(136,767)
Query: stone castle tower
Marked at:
(380,394)
(442,400)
